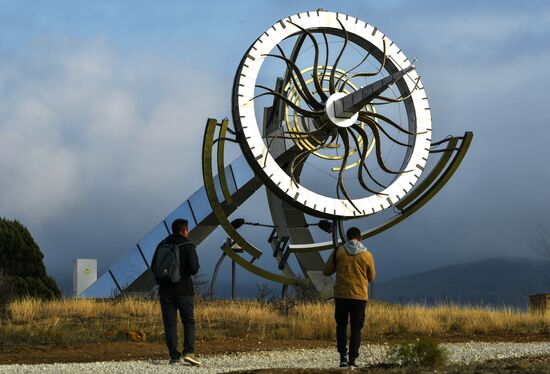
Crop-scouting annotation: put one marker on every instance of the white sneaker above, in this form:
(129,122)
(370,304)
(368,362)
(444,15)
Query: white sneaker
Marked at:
(190,359)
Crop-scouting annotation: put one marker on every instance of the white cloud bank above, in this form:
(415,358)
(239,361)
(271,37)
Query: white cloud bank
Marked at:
(89,139)
(74,119)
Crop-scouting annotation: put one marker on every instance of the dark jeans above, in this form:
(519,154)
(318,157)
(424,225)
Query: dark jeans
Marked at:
(170,305)
(354,311)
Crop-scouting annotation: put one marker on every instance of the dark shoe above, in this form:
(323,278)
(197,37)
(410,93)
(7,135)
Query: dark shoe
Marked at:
(343,361)
(352,364)
(190,359)
(174,361)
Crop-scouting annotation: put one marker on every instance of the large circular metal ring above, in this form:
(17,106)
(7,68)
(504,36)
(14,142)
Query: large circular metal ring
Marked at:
(372,40)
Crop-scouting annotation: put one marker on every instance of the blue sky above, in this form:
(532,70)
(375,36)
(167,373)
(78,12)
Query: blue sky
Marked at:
(100,100)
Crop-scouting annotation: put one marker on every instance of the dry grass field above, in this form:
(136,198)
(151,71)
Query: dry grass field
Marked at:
(82,321)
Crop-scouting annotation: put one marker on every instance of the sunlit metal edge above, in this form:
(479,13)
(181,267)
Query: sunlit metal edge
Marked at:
(221,168)
(223,219)
(408,211)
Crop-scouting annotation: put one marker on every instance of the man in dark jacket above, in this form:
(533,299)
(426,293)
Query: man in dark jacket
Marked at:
(176,297)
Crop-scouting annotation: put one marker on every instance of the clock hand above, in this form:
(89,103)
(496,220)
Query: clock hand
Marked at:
(352,103)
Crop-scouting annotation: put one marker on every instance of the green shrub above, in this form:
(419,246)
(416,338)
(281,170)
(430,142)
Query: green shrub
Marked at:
(421,353)
(23,263)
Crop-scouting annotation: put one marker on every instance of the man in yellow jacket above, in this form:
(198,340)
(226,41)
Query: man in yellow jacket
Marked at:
(354,268)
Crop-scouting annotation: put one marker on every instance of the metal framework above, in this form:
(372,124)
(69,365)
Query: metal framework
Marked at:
(347,102)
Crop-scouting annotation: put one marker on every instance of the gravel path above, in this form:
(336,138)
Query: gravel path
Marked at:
(459,353)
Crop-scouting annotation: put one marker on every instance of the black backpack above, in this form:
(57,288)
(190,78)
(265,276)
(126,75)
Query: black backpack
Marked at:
(167,263)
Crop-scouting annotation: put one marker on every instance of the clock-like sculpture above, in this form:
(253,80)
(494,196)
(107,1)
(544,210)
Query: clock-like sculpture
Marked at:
(334,120)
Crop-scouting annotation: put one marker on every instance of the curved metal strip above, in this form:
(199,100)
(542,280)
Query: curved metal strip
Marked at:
(215,275)
(332,88)
(377,146)
(288,76)
(211,190)
(221,166)
(426,182)
(296,70)
(316,82)
(410,209)
(224,221)
(365,74)
(349,71)
(432,191)
(304,112)
(259,271)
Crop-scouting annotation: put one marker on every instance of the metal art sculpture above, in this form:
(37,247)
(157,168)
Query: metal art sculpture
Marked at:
(333,119)
(338,111)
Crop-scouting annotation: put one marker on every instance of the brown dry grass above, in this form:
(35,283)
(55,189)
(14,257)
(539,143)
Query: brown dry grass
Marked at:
(73,321)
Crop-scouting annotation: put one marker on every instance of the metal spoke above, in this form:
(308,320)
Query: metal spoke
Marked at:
(315,62)
(365,74)
(364,118)
(288,102)
(307,95)
(349,71)
(363,156)
(376,134)
(299,133)
(302,89)
(333,70)
(345,139)
(399,99)
(326,58)
(389,122)
(302,156)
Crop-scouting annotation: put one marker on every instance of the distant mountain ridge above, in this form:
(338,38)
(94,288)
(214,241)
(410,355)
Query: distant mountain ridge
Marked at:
(494,282)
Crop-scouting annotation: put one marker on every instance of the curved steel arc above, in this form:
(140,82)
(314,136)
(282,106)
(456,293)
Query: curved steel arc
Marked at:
(326,57)
(302,90)
(365,118)
(365,74)
(215,275)
(224,220)
(349,71)
(363,156)
(300,133)
(430,178)
(389,100)
(221,167)
(426,194)
(341,186)
(298,73)
(316,82)
(433,189)
(390,122)
(377,147)
(332,88)
(302,111)
(293,56)
(298,160)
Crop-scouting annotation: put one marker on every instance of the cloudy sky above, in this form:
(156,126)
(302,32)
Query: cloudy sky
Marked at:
(103,104)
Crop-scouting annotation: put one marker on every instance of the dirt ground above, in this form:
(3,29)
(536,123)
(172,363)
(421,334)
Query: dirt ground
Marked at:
(126,350)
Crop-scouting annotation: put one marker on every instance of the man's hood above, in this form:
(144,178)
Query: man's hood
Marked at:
(354,247)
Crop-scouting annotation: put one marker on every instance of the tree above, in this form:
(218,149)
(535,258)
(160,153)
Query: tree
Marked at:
(23,263)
